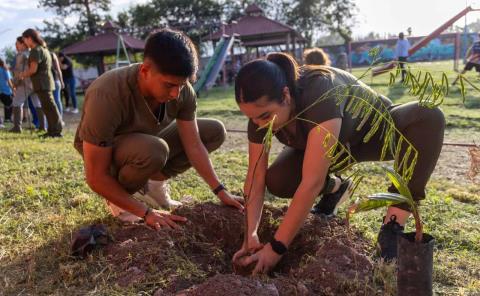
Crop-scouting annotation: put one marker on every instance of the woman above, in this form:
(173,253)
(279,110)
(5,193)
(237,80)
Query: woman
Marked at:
(6,88)
(316,56)
(39,71)
(277,88)
(24,87)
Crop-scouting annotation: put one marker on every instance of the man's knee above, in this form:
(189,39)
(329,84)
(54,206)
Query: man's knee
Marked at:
(212,133)
(141,150)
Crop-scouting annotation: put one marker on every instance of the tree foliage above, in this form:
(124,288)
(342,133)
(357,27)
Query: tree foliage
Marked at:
(313,16)
(90,14)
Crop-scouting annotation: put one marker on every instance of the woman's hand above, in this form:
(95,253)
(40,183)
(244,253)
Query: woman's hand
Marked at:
(253,245)
(229,199)
(162,219)
(266,259)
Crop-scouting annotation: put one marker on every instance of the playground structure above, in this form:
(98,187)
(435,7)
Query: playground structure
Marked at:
(424,41)
(252,31)
(108,43)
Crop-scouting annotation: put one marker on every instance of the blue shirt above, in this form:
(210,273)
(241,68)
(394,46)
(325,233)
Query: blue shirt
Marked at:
(5,76)
(401,50)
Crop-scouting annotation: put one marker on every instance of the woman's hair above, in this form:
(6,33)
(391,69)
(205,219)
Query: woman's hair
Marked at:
(2,64)
(267,77)
(316,56)
(35,35)
(20,40)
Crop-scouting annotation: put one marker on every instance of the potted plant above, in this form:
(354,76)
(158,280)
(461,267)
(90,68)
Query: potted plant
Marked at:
(415,249)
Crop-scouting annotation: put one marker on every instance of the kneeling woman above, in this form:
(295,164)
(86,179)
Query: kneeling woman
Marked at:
(277,87)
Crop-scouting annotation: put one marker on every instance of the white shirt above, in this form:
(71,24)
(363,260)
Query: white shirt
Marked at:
(401,50)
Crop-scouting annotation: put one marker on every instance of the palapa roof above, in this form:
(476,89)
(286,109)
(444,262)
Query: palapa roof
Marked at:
(104,43)
(255,29)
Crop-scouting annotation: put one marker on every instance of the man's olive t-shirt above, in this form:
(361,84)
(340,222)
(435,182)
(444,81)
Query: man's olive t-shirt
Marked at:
(42,79)
(114,106)
(332,87)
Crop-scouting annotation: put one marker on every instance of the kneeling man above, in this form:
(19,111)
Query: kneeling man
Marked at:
(139,128)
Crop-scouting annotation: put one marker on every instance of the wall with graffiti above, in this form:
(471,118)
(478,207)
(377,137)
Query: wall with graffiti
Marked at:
(440,48)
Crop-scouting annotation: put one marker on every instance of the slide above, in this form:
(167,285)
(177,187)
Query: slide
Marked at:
(424,41)
(215,64)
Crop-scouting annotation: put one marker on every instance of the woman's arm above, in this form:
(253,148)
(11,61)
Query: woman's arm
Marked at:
(32,69)
(56,67)
(314,172)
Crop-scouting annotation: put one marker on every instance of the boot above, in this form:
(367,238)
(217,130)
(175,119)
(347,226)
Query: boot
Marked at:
(157,195)
(387,240)
(41,120)
(17,120)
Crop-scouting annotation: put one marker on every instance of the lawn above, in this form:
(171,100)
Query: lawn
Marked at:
(44,199)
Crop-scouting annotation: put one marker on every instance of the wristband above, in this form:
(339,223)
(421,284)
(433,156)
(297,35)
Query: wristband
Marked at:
(278,247)
(219,188)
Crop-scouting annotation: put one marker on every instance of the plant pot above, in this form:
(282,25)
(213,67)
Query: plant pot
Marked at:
(415,265)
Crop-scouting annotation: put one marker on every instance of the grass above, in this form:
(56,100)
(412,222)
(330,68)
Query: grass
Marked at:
(43,199)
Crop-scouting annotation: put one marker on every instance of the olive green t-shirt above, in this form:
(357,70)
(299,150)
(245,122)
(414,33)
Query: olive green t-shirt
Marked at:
(114,106)
(332,87)
(42,79)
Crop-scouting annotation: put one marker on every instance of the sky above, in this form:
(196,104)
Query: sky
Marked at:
(381,16)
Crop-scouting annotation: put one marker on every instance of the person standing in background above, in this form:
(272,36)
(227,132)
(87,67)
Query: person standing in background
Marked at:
(59,85)
(401,53)
(24,87)
(69,79)
(6,88)
(39,70)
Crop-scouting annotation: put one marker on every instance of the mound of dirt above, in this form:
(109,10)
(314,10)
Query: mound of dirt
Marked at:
(322,260)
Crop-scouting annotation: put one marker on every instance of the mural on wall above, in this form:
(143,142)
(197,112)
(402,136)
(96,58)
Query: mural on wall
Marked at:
(440,48)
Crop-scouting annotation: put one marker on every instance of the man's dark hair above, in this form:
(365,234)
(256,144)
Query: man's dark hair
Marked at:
(173,53)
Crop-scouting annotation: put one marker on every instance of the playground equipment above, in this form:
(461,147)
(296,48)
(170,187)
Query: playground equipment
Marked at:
(424,41)
(215,64)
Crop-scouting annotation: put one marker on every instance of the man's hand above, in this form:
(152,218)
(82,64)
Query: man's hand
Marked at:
(162,219)
(231,200)
(266,259)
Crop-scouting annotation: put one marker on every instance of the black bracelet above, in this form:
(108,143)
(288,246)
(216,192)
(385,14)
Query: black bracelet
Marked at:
(219,188)
(278,247)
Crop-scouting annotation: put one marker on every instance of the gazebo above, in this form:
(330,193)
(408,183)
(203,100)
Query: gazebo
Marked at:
(107,43)
(255,30)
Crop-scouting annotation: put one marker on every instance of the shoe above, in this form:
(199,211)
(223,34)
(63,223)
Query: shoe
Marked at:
(15,130)
(74,111)
(48,135)
(2,125)
(329,203)
(67,109)
(387,240)
(157,194)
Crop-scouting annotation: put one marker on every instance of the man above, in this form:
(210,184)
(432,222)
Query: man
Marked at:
(473,59)
(401,53)
(138,129)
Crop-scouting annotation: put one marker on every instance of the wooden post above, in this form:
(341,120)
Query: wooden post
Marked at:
(457,51)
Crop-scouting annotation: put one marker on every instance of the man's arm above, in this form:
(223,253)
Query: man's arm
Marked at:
(97,162)
(198,156)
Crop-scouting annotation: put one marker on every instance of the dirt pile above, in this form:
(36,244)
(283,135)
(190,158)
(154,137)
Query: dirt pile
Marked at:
(323,259)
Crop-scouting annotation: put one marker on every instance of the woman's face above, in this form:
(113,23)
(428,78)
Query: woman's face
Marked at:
(262,111)
(29,42)
(20,46)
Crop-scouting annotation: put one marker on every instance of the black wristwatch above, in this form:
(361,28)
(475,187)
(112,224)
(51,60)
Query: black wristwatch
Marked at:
(219,188)
(278,247)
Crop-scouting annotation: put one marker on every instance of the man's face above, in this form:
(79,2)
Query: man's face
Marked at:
(162,87)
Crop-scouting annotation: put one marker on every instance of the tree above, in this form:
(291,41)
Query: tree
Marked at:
(89,12)
(313,16)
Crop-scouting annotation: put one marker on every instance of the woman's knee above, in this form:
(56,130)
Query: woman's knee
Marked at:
(276,185)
